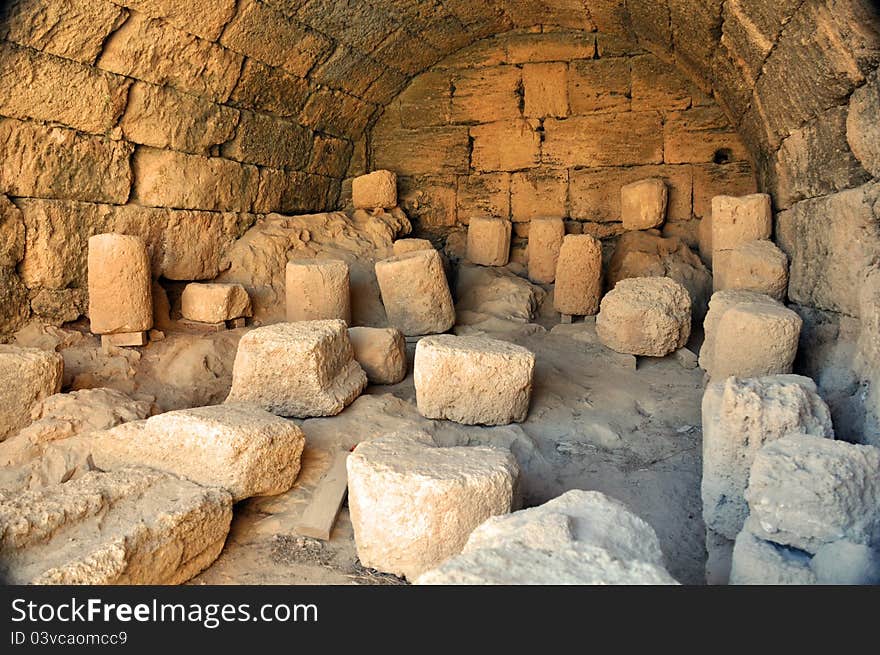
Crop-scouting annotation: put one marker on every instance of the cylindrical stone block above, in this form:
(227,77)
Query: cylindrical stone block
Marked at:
(381,352)
(415,293)
(754,339)
(545,240)
(317,289)
(578,276)
(752,266)
(737,220)
(488,241)
(120,284)
(643,204)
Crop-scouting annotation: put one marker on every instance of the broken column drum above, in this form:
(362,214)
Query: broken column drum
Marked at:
(317,289)
(578,276)
(488,241)
(415,293)
(545,242)
(120,294)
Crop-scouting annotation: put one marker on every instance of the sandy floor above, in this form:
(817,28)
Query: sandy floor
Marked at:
(594,424)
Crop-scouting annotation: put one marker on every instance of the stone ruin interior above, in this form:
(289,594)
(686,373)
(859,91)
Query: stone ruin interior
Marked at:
(440,292)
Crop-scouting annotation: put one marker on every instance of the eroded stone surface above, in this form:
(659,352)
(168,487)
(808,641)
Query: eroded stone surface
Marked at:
(755,338)
(643,204)
(120,291)
(645,316)
(374,190)
(239,447)
(578,276)
(214,303)
(317,289)
(545,242)
(758,266)
(473,380)
(297,369)
(415,293)
(488,240)
(130,526)
(414,504)
(381,352)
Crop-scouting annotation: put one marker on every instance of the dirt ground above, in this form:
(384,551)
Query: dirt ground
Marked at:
(594,424)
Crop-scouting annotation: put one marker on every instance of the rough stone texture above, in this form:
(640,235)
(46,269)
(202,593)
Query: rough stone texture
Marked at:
(828,263)
(719,303)
(415,293)
(578,276)
(120,293)
(53,162)
(576,517)
(269,141)
(738,220)
(645,254)
(488,241)
(414,504)
(580,537)
(214,303)
(239,447)
(754,338)
(740,415)
(704,240)
(381,352)
(643,204)
(806,492)
(536,195)
(317,289)
(490,296)
(473,380)
(760,562)
(165,118)
(297,369)
(545,241)
(374,190)
(645,316)
(31,375)
(845,563)
(131,526)
(151,50)
(862,131)
(59,90)
(752,266)
(403,246)
(517,565)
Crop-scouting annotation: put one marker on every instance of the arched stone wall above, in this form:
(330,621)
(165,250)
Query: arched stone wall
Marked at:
(179,119)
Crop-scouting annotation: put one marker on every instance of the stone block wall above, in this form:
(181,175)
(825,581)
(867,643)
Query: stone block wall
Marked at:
(552,123)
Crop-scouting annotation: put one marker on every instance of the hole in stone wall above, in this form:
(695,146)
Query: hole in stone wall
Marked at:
(722,156)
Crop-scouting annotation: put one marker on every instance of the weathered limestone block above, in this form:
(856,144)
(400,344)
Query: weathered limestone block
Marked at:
(704,239)
(415,293)
(163,117)
(485,195)
(643,204)
(488,240)
(473,380)
(645,316)
(207,22)
(486,293)
(739,417)
(414,504)
(120,293)
(621,139)
(753,339)
(719,303)
(12,233)
(578,276)
(507,145)
(131,526)
(862,130)
(806,492)
(381,352)
(760,562)
(581,537)
(56,162)
(214,303)
(269,141)
(152,50)
(31,375)
(317,289)
(697,134)
(545,242)
(403,246)
(585,517)
(545,89)
(429,151)
(58,90)
(518,565)
(845,563)
(374,190)
(737,220)
(646,254)
(538,193)
(297,369)
(239,447)
(758,266)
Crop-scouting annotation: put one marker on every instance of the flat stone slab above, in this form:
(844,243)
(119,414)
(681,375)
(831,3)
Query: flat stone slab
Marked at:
(130,526)
(473,380)
(806,492)
(297,369)
(238,447)
(648,316)
(414,504)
